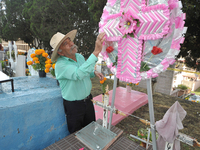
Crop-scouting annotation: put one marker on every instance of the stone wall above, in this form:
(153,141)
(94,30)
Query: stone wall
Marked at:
(32,117)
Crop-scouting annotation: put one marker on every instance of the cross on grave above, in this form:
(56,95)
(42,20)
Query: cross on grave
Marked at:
(154,23)
(106,107)
(159,21)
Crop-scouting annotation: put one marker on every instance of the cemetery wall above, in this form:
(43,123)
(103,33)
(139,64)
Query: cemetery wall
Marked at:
(32,117)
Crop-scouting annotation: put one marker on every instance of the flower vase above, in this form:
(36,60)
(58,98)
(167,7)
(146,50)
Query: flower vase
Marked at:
(42,73)
(128,88)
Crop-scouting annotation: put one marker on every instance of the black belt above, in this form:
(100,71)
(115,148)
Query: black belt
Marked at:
(88,98)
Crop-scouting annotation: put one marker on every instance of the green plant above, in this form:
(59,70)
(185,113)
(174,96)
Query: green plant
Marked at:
(13,54)
(8,54)
(143,134)
(2,63)
(182,87)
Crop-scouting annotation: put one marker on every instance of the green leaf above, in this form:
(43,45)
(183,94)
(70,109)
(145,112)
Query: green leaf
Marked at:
(142,68)
(131,35)
(125,36)
(115,63)
(138,23)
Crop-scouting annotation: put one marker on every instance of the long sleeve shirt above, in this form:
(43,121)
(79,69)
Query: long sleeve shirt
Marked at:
(74,77)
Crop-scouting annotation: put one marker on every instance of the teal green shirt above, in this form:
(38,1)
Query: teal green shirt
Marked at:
(74,77)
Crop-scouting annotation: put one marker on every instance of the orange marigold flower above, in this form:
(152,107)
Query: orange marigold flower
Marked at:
(49,61)
(102,81)
(38,52)
(104,78)
(48,66)
(29,63)
(53,66)
(137,83)
(33,55)
(42,51)
(127,84)
(45,55)
(35,59)
(37,62)
(46,70)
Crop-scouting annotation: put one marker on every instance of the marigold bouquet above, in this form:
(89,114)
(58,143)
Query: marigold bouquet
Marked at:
(131,84)
(40,60)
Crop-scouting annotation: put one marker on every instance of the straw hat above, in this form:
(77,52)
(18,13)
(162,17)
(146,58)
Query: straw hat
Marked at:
(57,40)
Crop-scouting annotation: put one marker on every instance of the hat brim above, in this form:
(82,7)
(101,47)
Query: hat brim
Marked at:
(70,35)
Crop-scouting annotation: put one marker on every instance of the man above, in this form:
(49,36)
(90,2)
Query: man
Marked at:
(73,74)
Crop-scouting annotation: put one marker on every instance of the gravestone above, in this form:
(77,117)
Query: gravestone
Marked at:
(2,53)
(21,68)
(164,82)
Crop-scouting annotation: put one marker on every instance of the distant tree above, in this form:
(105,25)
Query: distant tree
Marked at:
(96,9)
(50,16)
(13,24)
(38,20)
(190,49)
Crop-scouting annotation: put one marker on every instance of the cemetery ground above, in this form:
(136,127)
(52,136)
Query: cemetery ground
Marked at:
(162,102)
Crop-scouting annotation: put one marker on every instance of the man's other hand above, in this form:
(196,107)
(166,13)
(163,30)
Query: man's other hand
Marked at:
(99,75)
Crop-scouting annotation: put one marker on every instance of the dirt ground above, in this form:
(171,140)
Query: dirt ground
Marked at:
(161,102)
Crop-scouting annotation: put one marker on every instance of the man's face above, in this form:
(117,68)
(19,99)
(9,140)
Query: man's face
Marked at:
(68,47)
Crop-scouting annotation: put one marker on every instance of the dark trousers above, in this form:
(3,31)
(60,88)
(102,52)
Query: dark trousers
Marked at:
(79,113)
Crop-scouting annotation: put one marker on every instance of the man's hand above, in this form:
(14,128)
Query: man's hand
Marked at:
(99,43)
(100,75)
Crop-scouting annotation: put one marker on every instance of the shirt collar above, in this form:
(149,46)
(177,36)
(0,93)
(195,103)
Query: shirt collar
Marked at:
(69,59)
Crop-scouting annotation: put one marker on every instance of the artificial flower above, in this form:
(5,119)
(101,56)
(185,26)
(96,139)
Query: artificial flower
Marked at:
(109,49)
(127,24)
(156,50)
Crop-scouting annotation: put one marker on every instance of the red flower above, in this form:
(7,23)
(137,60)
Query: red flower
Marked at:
(109,49)
(156,50)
